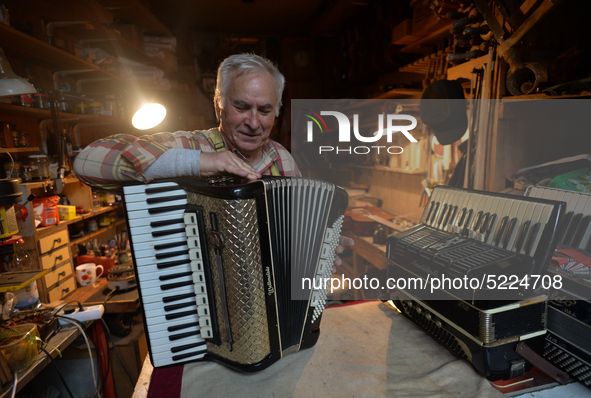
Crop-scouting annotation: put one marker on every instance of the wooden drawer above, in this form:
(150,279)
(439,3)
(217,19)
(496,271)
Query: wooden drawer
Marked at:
(55,257)
(59,274)
(53,241)
(66,287)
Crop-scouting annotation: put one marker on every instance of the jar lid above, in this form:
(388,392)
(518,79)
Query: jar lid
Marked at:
(38,156)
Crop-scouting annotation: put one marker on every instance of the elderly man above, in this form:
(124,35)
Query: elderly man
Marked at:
(247,100)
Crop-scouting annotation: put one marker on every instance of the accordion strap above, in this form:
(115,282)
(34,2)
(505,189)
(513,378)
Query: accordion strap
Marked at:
(219,146)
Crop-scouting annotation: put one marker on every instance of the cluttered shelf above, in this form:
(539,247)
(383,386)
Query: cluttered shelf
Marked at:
(22,149)
(17,110)
(94,234)
(82,217)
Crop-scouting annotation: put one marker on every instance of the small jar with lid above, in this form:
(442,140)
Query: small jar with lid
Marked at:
(64,103)
(39,167)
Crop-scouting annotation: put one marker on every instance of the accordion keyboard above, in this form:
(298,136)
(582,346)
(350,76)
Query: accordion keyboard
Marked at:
(575,229)
(163,259)
(465,232)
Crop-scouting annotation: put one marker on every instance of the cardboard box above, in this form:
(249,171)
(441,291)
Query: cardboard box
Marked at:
(66,212)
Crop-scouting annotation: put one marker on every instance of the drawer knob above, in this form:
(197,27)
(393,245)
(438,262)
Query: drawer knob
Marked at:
(58,258)
(66,290)
(63,273)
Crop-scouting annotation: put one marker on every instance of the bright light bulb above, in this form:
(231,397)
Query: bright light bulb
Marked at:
(148,116)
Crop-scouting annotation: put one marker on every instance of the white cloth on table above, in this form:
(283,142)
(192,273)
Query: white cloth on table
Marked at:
(364,350)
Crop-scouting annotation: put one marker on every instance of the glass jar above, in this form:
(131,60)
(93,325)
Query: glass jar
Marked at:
(11,170)
(64,104)
(96,201)
(41,101)
(26,173)
(23,139)
(39,167)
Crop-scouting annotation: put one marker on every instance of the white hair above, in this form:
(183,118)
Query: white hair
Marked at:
(241,64)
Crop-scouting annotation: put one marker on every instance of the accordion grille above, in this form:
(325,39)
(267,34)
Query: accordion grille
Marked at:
(245,287)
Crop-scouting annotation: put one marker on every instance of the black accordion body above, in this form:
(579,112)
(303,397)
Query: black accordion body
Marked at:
(474,234)
(228,271)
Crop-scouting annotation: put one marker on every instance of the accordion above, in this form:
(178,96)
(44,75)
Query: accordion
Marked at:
(470,235)
(231,271)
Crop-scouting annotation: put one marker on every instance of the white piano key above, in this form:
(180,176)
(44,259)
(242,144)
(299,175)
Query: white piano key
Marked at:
(148,237)
(155,294)
(148,230)
(145,221)
(167,326)
(153,273)
(155,319)
(145,214)
(147,249)
(162,337)
(140,262)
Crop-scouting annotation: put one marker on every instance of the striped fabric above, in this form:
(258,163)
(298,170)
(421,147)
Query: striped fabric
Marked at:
(109,162)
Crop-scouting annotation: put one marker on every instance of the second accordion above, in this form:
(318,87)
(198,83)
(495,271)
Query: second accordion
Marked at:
(233,272)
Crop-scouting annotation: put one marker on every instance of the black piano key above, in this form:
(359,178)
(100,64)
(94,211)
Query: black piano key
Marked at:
(510,229)
(588,245)
(501,230)
(174,307)
(467,223)
(532,238)
(166,209)
(184,335)
(164,223)
(175,285)
(175,263)
(430,212)
(489,225)
(152,201)
(442,216)
(450,214)
(478,220)
(189,354)
(149,191)
(564,225)
(170,245)
(570,233)
(171,299)
(583,226)
(186,347)
(522,235)
(484,223)
(162,256)
(176,328)
(434,212)
(158,234)
(174,276)
(178,315)
(462,216)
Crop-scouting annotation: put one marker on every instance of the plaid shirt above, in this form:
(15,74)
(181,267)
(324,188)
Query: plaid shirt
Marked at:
(109,162)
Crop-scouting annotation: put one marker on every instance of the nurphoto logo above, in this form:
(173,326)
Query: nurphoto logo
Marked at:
(345,132)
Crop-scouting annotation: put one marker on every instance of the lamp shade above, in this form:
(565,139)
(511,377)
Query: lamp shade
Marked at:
(10,83)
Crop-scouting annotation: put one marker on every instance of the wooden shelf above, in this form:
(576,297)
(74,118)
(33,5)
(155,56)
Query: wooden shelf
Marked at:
(92,235)
(16,110)
(464,70)
(19,45)
(134,12)
(401,93)
(391,170)
(98,35)
(582,94)
(425,44)
(64,10)
(21,149)
(81,217)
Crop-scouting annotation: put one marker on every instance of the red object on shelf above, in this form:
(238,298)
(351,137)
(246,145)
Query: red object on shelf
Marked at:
(106,262)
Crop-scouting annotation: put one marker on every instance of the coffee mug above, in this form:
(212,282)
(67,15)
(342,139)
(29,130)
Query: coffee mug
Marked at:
(87,274)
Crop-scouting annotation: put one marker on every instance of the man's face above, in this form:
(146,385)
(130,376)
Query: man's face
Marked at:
(249,113)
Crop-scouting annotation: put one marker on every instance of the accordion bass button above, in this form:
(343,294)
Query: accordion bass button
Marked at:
(438,324)
(428,316)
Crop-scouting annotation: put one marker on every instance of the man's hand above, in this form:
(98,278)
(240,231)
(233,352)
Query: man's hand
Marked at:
(343,241)
(216,163)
